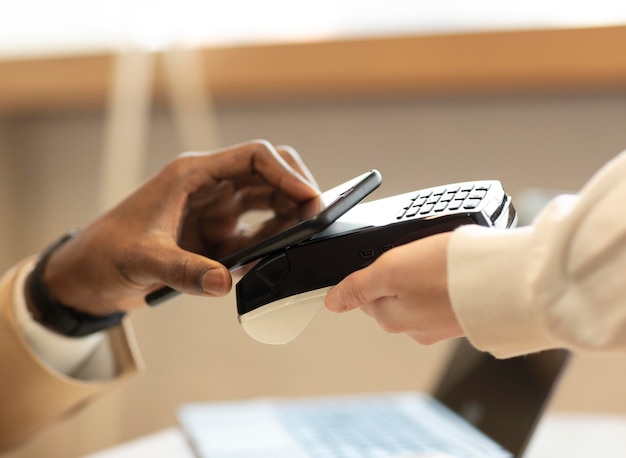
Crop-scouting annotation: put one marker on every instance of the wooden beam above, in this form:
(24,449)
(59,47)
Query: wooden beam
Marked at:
(584,59)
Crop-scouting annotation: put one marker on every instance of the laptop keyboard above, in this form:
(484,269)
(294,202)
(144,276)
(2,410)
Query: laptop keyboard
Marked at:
(365,430)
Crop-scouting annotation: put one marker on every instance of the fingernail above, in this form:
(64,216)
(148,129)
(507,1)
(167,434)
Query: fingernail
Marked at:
(213,282)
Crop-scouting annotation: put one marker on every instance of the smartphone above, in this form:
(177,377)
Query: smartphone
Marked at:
(318,214)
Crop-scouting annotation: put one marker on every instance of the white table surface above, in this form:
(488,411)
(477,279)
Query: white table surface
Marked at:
(572,435)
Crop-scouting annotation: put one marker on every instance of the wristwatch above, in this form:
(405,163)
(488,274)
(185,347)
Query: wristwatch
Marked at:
(56,316)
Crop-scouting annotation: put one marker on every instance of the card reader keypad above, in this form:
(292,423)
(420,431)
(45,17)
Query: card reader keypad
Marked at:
(452,198)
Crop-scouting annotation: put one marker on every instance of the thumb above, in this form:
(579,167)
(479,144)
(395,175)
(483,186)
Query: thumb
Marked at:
(355,290)
(192,273)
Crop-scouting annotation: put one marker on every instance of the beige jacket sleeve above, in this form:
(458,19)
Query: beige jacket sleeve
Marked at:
(32,394)
(560,283)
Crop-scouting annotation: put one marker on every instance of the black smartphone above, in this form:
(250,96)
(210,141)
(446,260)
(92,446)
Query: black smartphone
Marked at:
(318,214)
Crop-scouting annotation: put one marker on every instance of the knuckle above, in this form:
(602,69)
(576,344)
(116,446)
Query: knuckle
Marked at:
(262,146)
(353,292)
(262,154)
(424,339)
(394,326)
(177,273)
(180,166)
(289,152)
(391,328)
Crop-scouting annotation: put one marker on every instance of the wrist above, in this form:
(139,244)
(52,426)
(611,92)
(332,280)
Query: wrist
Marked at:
(50,312)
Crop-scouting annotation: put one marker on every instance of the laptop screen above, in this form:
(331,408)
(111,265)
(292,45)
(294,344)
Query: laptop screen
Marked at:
(504,398)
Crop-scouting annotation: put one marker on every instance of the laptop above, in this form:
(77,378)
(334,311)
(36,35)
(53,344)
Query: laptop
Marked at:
(480,407)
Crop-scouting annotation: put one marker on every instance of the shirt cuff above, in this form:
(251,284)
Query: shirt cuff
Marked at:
(488,291)
(69,356)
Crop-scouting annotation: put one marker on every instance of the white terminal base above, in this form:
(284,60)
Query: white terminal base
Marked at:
(282,321)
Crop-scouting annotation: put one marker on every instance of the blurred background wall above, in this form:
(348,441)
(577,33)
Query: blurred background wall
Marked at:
(194,349)
(6,195)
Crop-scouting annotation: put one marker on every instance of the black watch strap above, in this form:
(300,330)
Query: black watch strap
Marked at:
(56,316)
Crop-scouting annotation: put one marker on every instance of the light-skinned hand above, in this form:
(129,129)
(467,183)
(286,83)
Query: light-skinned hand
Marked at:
(405,290)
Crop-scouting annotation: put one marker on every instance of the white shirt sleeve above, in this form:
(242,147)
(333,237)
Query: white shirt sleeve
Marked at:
(559,283)
(84,358)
